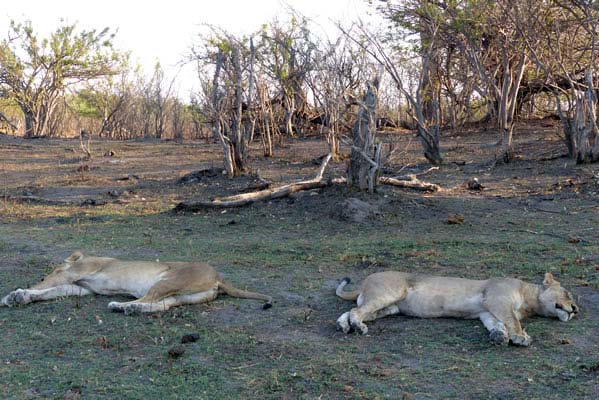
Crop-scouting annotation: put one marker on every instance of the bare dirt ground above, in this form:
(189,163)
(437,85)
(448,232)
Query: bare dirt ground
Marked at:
(539,213)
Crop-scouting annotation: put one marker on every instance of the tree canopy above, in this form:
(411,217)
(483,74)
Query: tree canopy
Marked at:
(35,71)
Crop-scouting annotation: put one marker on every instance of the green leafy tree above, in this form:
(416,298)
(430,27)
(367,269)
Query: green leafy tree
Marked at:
(35,72)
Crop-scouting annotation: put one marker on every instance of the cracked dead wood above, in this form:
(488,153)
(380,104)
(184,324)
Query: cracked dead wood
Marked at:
(261,195)
(412,183)
(365,157)
(406,181)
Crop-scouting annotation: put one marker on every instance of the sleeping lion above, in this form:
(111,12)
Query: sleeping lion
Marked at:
(157,286)
(500,303)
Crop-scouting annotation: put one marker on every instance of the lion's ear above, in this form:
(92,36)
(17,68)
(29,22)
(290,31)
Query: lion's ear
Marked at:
(76,256)
(548,281)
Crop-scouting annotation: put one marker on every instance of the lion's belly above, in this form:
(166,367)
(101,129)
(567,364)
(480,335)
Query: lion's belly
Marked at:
(136,285)
(425,304)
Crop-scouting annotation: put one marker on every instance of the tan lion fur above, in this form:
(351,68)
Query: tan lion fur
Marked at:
(500,303)
(157,286)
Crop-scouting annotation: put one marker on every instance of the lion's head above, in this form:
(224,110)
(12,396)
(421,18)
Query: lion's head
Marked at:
(60,274)
(555,301)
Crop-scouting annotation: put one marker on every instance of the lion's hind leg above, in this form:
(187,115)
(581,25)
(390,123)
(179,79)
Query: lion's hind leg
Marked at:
(141,306)
(165,294)
(343,323)
(373,305)
(382,313)
(151,304)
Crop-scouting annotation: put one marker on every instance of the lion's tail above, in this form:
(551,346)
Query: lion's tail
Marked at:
(351,295)
(233,291)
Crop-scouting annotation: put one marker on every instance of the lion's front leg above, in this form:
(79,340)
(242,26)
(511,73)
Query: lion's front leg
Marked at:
(497,330)
(518,335)
(521,339)
(18,296)
(515,333)
(25,296)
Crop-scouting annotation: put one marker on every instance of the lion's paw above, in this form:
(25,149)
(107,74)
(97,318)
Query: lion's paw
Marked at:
(359,327)
(343,323)
(19,296)
(523,340)
(133,309)
(498,337)
(115,306)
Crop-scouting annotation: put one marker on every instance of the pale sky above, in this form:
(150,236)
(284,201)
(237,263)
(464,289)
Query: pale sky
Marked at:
(165,30)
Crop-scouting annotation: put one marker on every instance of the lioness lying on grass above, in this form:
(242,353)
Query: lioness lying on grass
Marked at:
(157,286)
(500,303)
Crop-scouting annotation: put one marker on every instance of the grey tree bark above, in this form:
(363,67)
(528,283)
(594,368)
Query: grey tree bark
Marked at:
(365,157)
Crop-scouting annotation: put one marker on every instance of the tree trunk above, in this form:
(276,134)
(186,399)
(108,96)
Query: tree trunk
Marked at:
(507,105)
(289,111)
(429,139)
(428,98)
(250,117)
(267,126)
(582,131)
(237,137)
(266,136)
(333,141)
(507,147)
(365,155)
(29,123)
(217,122)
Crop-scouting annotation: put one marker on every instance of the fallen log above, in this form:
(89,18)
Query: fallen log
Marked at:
(244,199)
(413,183)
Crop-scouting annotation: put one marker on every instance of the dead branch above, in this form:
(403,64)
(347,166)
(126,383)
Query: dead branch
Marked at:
(411,177)
(261,195)
(7,121)
(413,183)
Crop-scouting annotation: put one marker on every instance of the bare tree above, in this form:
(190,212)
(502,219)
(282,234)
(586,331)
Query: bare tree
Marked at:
(180,118)
(108,105)
(160,92)
(365,159)
(232,63)
(288,58)
(427,122)
(570,70)
(494,47)
(339,70)
(266,120)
